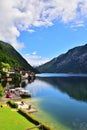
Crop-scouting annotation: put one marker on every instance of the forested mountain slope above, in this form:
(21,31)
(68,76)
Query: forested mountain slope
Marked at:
(9,55)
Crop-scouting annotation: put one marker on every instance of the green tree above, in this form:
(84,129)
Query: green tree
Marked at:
(4,66)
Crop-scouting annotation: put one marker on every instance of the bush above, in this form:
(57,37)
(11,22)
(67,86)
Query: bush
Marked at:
(1,91)
(12,104)
(28,116)
(32,119)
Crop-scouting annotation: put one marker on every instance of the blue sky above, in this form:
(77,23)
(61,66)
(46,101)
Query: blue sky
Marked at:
(50,42)
(41,30)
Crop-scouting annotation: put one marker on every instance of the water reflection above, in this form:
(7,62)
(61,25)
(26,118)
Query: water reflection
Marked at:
(64,99)
(38,88)
(75,87)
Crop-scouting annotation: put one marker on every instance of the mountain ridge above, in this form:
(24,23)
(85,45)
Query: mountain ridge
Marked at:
(73,61)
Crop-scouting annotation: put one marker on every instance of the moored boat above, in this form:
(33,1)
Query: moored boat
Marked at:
(21,92)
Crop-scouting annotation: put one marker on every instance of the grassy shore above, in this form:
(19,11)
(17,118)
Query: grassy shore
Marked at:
(10,119)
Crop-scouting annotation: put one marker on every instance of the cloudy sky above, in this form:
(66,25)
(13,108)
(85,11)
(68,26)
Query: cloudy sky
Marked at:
(43,29)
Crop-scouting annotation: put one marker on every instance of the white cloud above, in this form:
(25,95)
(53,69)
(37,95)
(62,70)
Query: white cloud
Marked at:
(22,15)
(31,30)
(77,23)
(34,53)
(35,60)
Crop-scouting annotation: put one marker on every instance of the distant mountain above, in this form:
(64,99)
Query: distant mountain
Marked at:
(9,55)
(74,61)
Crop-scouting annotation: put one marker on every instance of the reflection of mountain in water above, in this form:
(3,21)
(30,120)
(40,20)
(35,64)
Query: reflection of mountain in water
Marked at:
(75,87)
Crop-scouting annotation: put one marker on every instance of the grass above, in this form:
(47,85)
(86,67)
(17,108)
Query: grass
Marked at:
(12,120)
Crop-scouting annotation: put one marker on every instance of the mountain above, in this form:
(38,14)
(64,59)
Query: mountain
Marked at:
(74,61)
(9,55)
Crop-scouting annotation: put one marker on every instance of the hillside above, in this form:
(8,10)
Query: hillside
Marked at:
(9,55)
(74,61)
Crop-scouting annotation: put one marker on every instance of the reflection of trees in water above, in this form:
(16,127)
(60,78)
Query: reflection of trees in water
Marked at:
(75,87)
(24,82)
(15,84)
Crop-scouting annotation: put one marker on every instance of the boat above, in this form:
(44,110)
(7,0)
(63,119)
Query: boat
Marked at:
(21,92)
(25,93)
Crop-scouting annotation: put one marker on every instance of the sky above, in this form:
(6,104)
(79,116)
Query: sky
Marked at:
(41,30)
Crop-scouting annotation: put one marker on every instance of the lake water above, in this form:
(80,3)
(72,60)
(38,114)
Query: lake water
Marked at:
(61,100)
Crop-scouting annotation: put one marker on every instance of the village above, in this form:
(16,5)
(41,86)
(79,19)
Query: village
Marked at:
(17,93)
(15,76)
(14,96)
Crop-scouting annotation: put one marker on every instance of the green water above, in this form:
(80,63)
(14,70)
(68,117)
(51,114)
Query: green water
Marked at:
(44,117)
(61,103)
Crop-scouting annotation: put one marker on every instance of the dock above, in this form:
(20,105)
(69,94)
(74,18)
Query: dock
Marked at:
(25,106)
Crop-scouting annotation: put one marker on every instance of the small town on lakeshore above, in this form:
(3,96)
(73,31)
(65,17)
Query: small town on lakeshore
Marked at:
(13,96)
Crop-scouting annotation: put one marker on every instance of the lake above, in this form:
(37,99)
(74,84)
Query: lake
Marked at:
(61,100)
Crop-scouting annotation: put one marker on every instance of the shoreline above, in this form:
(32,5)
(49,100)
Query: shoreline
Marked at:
(46,117)
(24,111)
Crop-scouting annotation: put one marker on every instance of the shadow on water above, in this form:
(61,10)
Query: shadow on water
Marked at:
(75,87)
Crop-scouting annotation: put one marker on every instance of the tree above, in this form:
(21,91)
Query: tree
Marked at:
(4,66)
